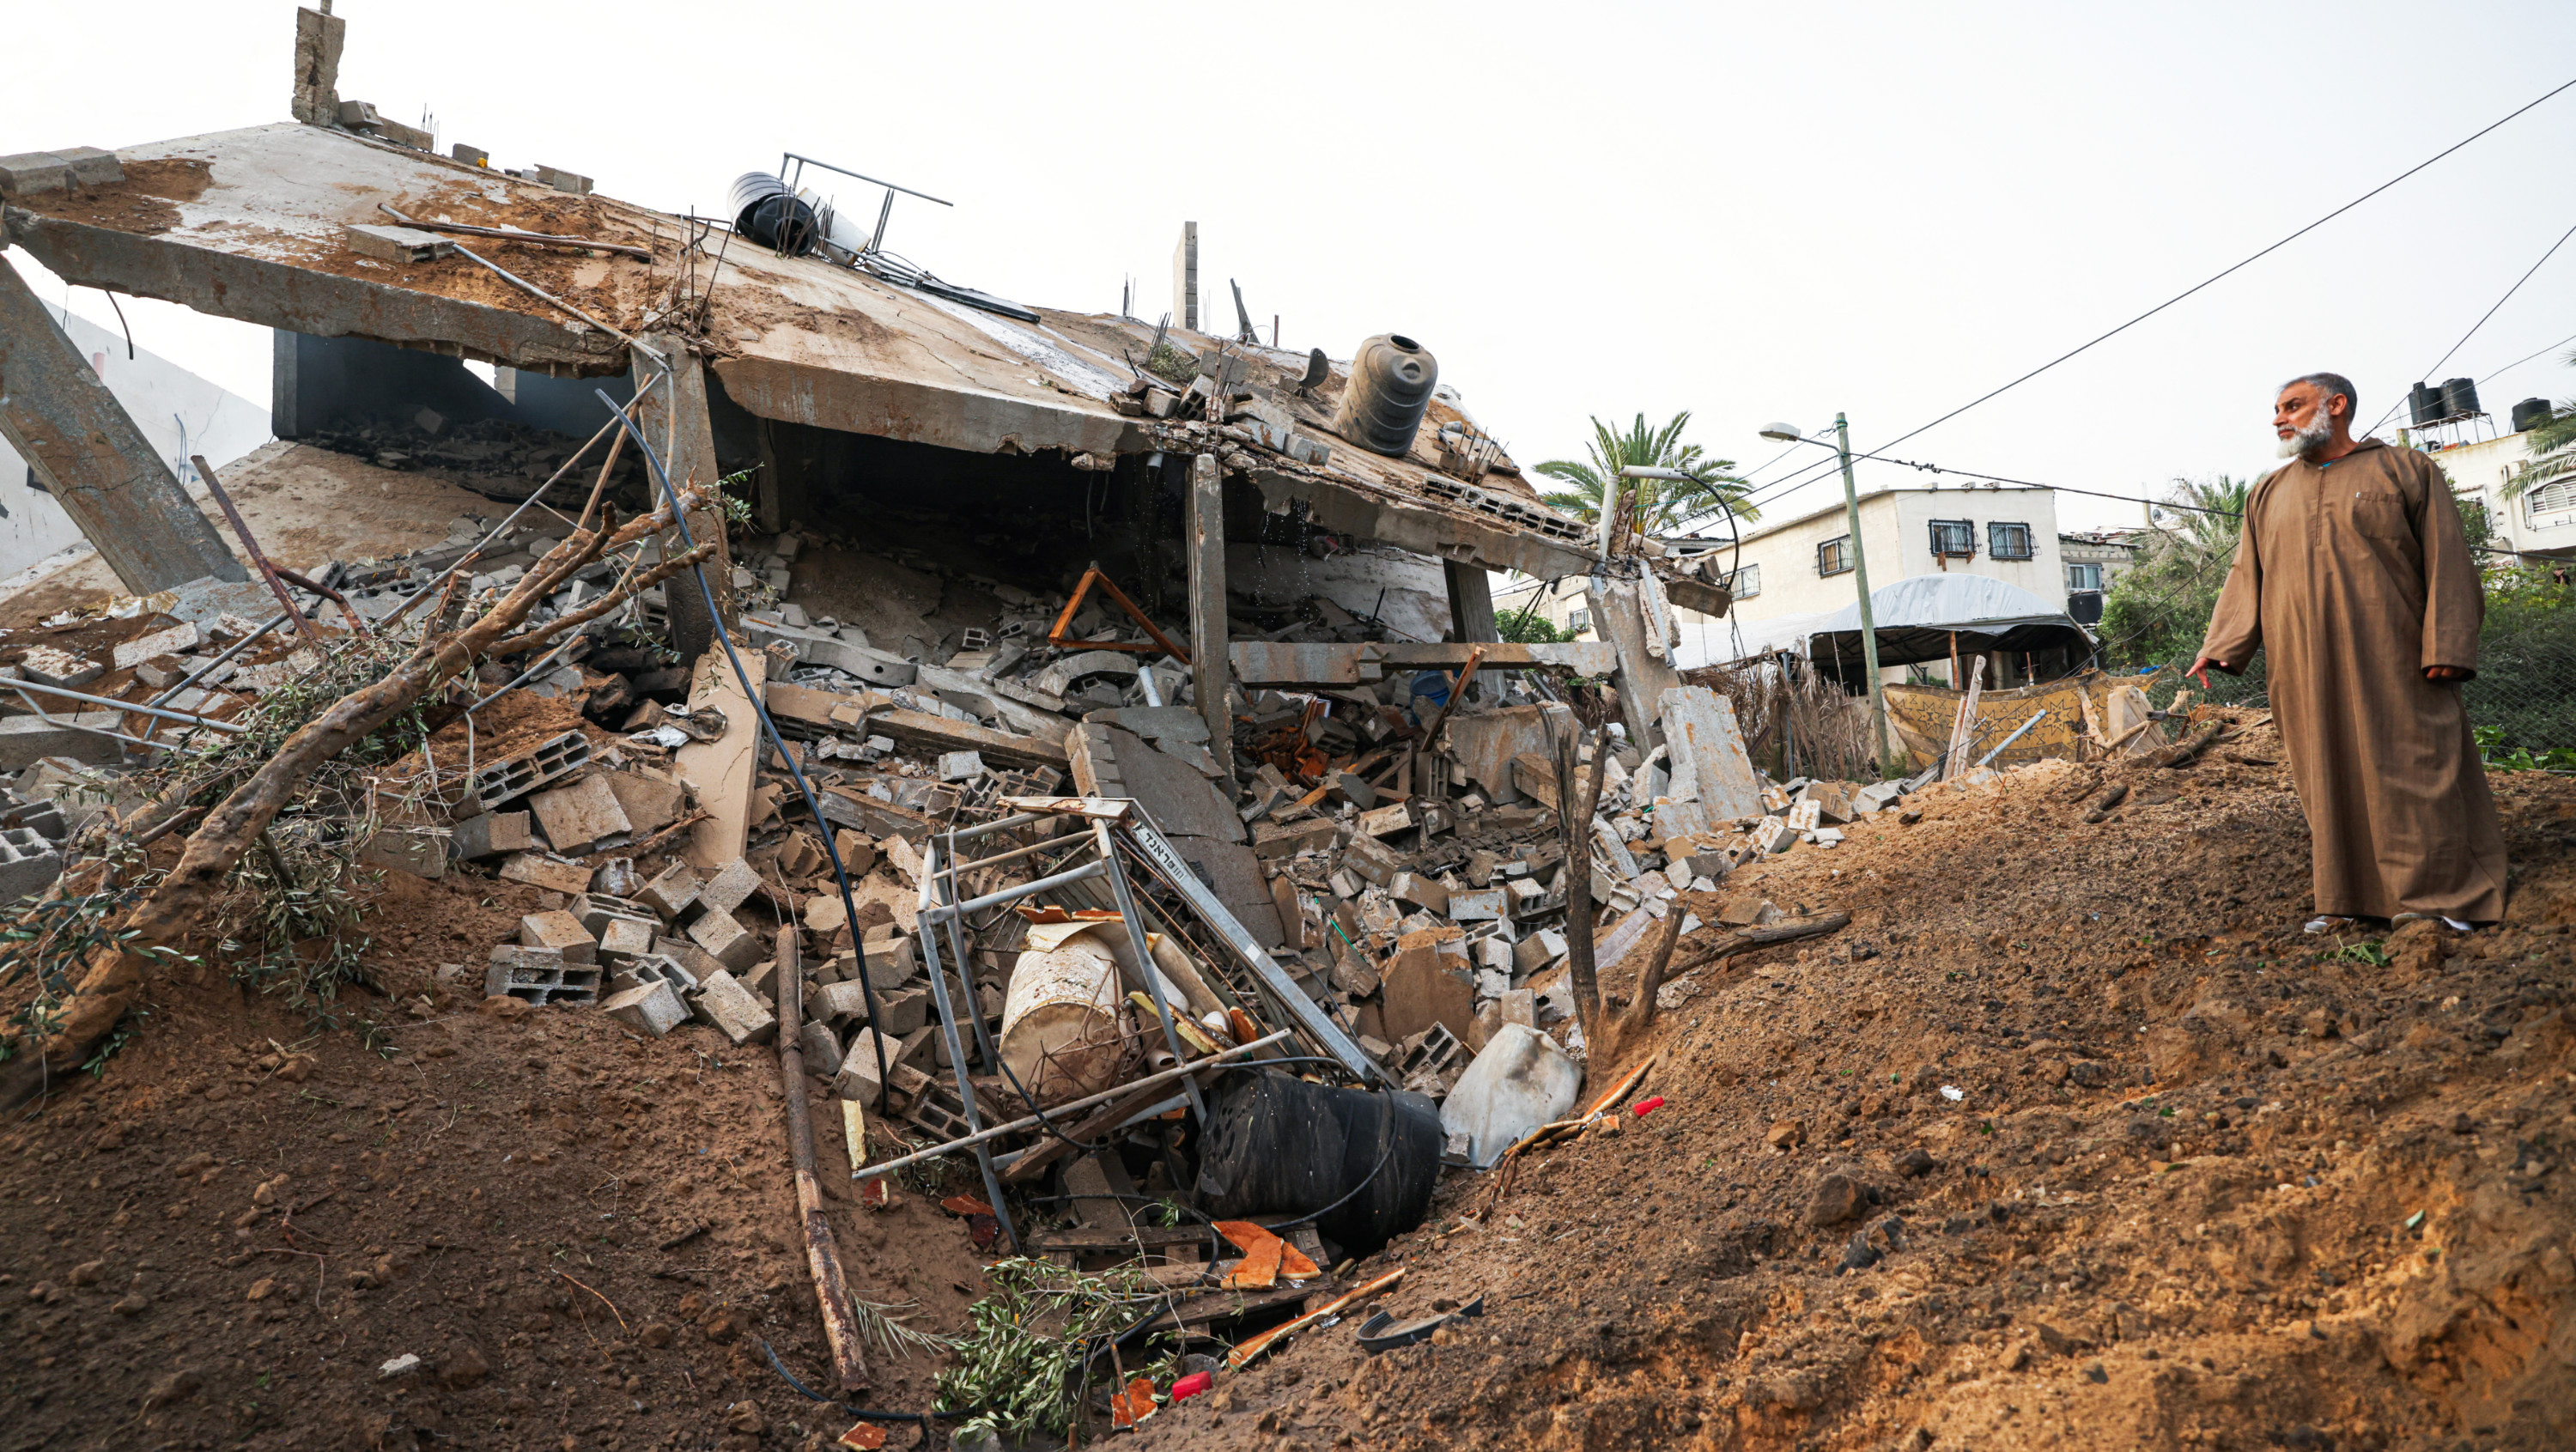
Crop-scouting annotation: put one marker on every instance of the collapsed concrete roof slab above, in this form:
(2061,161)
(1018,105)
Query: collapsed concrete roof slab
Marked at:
(250,224)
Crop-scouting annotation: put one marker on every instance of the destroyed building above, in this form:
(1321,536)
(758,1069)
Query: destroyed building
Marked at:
(1129,700)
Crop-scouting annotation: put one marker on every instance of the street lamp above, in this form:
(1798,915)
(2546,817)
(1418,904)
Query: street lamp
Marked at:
(1792,434)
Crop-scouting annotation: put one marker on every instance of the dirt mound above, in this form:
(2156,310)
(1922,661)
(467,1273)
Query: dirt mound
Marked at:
(2072,1139)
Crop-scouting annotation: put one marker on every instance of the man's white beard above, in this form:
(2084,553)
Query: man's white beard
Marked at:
(2308,440)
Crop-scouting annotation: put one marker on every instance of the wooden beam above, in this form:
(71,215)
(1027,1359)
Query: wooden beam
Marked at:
(1207,607)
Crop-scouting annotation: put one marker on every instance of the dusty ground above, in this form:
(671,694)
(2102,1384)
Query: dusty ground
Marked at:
(2227,1256)
(2207,1183)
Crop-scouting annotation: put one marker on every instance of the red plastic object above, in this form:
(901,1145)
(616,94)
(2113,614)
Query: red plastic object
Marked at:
(1191,1385)
(1648,1106)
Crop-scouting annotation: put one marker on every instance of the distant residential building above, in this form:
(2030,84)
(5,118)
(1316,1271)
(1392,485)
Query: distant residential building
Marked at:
(2094,559)
(2541,522)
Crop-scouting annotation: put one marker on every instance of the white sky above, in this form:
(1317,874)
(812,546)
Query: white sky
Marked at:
(1755,212)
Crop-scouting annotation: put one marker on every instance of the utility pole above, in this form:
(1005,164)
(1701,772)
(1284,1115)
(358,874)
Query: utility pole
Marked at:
(1868,619)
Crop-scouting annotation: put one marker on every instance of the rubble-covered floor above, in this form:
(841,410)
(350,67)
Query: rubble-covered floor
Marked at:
(2086,1260)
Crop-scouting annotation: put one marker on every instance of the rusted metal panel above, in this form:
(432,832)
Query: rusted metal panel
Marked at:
(282,295)
(105,474)
(1265,663)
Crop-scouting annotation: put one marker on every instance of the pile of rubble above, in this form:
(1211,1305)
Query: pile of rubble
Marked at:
(495,457)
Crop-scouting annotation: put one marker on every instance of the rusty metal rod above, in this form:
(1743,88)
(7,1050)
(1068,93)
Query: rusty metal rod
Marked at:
(241,528)
(357,625)
(504,234)
(534,291)
(822,1251)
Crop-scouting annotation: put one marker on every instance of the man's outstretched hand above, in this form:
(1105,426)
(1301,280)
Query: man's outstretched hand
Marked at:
(2447,673)
(2200,669)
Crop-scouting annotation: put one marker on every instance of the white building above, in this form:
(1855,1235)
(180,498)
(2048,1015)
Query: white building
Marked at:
(2542,521)
(1791,570)
(179,413)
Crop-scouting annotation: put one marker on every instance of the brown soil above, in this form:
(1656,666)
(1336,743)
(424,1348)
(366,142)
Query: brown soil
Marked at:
(2176,1205)
(2228,1256)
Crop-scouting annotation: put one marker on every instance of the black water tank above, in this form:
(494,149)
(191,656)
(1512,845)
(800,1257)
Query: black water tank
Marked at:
(2423,404)
(2530,413)
(2459,396)
(1382,406)
(1276,1143)
(765,211)
(2084,607)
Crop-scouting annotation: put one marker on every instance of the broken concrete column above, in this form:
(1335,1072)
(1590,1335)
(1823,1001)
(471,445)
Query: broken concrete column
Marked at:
(1471,601)
(675,408)
(318,38)
(1209,670)
(1642,677)
(110,479)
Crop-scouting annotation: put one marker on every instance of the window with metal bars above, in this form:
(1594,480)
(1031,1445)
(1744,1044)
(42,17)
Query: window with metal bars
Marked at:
(1954,538)
(2008,541)
(1833,557)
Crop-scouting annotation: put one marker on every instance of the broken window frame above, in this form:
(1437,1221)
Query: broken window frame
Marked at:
(1578,619)
(1954,539)
(1834,556)
(1999,537)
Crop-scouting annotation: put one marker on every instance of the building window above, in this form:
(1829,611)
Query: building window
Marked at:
(2556,497)
(1833,557)
(2083,577)
(2008,541)
(1578,620)
(1954,538)
(1747,583)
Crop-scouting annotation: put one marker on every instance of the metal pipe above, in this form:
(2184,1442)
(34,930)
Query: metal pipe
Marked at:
(1014,894)
(542,662)
(93,730)
(956,1049)
(2009,740)
(1145,969)
(988,828)
(996,861)
(1031,1121)
(115,705)
(234,649)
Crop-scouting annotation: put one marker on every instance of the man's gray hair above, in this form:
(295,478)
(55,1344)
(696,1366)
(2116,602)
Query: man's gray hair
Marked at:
(2328,384)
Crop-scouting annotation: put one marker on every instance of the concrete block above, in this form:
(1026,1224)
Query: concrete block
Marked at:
(515,776)
(650,802)
(596,908)
(735,1013)
(470,155)
(1773,834)
(563,933)
(29,173)
(626,938)
(491,834)
(28,863)
(91,166)
(1494,955)
(653,968)
(27,739)
(901,1011)
(562,180)
(822,1049)
(723,937)
(579,815)
(730,888)
(615,877)
(1709,763)
(654,1007)
(1479,907)
(671,890)
(400,245)
(1421,890)
(1806,816)
(692,959)
(42,817)
(1538,950)
(170,641)
(1386,821)
(539,976)
(960,765)
(1876,797)
(857,1078)
(48,665)
(554,874)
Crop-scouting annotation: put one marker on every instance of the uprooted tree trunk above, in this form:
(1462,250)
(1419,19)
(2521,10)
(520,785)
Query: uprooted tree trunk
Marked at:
(180,902)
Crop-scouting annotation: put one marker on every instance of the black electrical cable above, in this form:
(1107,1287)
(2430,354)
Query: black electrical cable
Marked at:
(2480,323)
(1311,1217)
(864,1414)
(777,743)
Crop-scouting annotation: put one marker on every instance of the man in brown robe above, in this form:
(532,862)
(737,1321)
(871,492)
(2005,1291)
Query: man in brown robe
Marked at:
(2352,571)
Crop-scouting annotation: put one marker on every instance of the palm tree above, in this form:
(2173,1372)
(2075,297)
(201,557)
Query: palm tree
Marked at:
(2553,450)
(1663,506)
(2159,607)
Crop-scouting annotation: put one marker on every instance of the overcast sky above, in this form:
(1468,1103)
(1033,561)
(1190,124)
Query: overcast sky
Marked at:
(1753,212)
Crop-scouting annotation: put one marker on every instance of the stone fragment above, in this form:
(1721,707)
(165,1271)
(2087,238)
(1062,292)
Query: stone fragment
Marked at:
(540,869)
(579,814)
(168,641)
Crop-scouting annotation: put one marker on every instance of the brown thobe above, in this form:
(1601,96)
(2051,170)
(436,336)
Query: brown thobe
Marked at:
(2355,576)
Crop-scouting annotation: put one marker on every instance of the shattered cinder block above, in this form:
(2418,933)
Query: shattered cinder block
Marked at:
(580,814)
(730,888)
(653,968)
(1478,907)
(491,834)
(654,1007)
(28,863)
(179,637)
(721,936)
(1421,890)
(515,776)
(741,1017)
(561,932)
(1773,834)
(671,891)
(48,665)
(554,874)
(960,765)
(539,976)
(692,959)
(822,1049)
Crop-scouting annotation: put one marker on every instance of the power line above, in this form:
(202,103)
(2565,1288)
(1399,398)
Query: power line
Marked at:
(2482,320)
(1773,491)
(2525,358)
